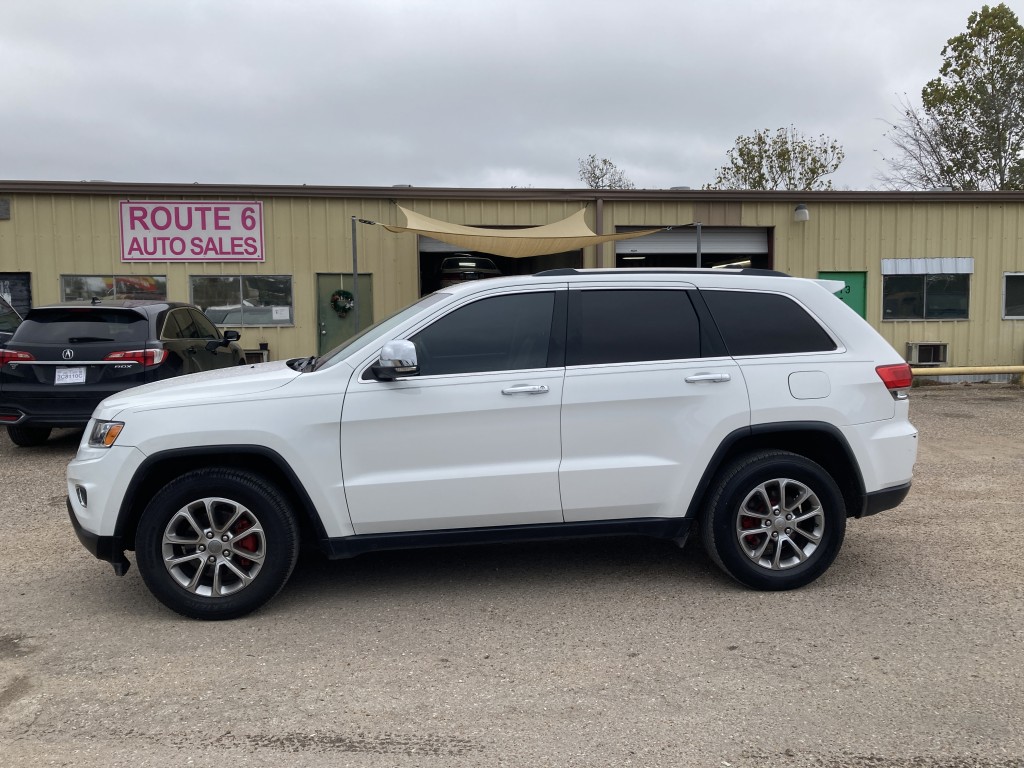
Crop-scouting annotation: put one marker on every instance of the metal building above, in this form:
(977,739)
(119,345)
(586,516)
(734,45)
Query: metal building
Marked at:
(940,274)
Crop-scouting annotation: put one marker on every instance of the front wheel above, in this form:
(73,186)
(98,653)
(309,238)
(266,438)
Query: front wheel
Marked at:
(216,543)
(776,520)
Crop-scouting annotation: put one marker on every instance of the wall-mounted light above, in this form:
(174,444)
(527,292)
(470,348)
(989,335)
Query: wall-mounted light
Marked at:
(800,213)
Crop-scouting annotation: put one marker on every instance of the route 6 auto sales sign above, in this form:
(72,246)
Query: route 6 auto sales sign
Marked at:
(209,230)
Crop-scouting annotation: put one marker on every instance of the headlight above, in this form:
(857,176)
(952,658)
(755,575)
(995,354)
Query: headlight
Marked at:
(104,433)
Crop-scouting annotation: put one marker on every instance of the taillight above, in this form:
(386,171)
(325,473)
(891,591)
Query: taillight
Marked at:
(895,377)
(144,357)
(14,356)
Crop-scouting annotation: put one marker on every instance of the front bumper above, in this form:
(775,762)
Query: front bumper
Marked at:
(109,548)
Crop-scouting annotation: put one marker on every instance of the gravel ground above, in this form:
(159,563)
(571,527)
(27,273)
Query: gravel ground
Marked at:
(909,652)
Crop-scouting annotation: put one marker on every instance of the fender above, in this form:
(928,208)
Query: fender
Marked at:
(229,455)
(733,443)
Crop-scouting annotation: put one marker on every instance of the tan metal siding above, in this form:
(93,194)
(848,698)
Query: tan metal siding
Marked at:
(70,229)
(856,237)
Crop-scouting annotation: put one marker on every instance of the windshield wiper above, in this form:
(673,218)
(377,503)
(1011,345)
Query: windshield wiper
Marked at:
(81,339)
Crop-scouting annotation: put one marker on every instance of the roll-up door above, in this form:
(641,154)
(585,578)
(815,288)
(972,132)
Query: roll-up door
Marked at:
(739,240)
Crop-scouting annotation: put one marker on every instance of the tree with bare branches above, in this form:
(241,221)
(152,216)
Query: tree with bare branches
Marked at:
(602,174)
(968,133)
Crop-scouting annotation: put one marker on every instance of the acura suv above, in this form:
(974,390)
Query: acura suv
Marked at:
(751,409)
(64,359)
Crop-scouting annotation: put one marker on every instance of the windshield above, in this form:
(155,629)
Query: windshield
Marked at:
(368,335)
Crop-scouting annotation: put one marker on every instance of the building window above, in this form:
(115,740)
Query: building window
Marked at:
(86,287)
(1013,296)
(244,299)
(926,289)
(925,297)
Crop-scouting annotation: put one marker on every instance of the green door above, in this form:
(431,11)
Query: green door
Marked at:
(854,294)
(336,321)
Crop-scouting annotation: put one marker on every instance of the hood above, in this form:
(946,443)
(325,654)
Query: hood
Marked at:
(241,381)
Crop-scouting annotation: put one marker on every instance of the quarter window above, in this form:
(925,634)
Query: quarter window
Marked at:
(501,333)
(186,323)
(755,323)
(244,299)
(627,326)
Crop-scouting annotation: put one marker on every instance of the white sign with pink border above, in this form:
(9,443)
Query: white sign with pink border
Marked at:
(213,230)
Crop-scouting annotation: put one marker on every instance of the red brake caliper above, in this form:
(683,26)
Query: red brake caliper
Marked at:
(748,523)
(248,543)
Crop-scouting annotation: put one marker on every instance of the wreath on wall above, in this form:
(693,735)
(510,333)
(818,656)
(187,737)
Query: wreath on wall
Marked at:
(342,302)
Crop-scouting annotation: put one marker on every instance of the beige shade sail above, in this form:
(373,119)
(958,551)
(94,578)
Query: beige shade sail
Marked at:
(567,235)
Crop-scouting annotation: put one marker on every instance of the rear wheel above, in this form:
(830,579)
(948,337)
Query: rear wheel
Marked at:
(776,520)
(27,437)
(216,543)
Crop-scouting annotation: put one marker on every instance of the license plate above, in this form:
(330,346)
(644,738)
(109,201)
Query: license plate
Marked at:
(69,376)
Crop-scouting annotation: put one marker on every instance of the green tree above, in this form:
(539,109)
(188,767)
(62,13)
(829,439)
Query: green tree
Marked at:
(783,159)
(602,174)
(968,133)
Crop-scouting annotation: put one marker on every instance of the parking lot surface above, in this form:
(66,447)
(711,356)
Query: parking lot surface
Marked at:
(909,652)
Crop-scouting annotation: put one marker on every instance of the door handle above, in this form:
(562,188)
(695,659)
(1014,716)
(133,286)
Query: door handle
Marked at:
(714,378)
(525,389)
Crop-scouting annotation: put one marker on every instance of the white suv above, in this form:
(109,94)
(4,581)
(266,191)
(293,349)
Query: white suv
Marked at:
(753,407)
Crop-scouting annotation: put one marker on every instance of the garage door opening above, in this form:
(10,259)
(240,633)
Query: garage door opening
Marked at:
(740,247)
(441,262)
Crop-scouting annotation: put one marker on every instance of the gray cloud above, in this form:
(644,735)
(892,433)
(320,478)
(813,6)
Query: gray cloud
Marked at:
(457,93)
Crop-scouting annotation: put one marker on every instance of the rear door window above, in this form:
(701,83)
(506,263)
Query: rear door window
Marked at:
(631,325)
(755,323)
(204,327)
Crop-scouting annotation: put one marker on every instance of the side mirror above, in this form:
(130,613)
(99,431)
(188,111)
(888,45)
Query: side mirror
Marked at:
(397,358)
(229,336)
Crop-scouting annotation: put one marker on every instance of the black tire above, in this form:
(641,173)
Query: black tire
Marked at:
(746,531)
(229,516)
(27,437)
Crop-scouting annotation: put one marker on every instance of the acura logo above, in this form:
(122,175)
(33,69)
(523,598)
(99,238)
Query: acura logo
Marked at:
(67,354)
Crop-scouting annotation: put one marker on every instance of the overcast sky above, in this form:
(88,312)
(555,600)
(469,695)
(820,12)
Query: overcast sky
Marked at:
(451,93)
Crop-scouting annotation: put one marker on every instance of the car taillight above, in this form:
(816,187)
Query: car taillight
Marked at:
(895,377)
(144,357)
(14,356)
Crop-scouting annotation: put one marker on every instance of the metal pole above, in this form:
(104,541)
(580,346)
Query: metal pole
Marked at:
(699,264)
(355,273)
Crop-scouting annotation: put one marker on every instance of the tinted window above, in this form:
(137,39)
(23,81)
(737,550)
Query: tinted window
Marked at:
(765,324)
(502,333)
(171,329)
(180,325)
(203,325)
(63,326)
(624,326)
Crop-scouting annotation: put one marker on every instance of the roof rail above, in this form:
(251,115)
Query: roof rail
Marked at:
(661,271)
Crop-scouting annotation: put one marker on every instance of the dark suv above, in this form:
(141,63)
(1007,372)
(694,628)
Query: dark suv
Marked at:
(64,359)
